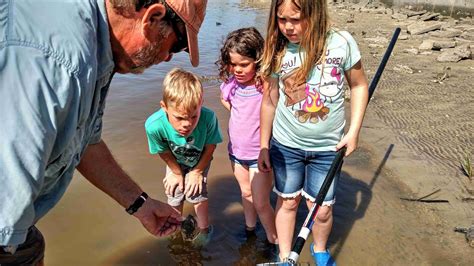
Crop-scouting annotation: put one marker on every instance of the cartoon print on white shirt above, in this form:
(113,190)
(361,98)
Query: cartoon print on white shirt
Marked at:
(309,100)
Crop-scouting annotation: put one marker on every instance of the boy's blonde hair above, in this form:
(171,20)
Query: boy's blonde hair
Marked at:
(182,89)
(314,14)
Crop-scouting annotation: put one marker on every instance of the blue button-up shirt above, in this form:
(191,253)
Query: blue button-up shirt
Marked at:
(55,69)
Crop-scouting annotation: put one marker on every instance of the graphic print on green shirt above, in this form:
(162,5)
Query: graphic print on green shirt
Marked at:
(187,150)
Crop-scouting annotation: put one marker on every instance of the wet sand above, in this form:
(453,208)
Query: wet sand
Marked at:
(407,149)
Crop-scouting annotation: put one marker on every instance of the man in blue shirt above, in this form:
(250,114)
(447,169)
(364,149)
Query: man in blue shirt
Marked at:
(57,59)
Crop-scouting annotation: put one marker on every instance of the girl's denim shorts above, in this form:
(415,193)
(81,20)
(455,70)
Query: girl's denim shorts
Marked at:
(248,163)
(301,172)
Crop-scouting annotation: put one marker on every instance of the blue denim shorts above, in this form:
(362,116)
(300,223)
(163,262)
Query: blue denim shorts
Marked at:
(248,163)
(301,172)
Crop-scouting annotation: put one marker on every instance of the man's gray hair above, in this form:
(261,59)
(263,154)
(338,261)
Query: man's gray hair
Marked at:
(127,7)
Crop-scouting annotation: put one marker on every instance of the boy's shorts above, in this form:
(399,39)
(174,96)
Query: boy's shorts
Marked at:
(301,172)
(179,195)
(248,163)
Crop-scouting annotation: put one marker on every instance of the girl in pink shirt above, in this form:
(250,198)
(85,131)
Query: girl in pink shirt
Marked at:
(241,94)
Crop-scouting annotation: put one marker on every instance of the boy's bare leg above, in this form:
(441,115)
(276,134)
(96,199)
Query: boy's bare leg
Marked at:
(202,214)
(242,175)
(261,184)
(179,208)
(285,217)
(322,226)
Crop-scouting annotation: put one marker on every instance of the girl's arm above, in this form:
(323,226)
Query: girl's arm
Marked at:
(267,113)
(225,103)
(359,98)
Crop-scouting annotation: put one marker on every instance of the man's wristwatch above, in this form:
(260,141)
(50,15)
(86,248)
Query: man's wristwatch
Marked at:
(137,204)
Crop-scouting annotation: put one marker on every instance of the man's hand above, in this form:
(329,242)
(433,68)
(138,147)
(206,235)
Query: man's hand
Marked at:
(158,218)
(194,183)
(173,181)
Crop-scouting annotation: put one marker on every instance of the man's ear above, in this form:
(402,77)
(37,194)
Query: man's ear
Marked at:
(151,18)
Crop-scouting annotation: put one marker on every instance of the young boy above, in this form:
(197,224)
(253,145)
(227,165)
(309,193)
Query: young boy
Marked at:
(185,135)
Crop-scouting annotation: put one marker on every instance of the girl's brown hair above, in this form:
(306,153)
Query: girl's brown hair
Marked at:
(246,42)
(314,16)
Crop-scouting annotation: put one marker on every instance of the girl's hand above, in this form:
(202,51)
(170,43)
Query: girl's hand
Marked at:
(264,161)
(173,181)
(194,183)
(350,141)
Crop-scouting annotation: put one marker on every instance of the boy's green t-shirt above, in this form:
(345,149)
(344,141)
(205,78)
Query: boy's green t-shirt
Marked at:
(187,150)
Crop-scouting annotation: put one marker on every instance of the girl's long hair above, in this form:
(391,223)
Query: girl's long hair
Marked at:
(315,20)
(246,42)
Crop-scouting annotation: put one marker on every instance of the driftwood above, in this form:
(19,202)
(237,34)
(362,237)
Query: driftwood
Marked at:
(424,200)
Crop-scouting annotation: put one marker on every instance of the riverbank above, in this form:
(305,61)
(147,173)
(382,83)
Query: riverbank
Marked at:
(428,123)
(424,108)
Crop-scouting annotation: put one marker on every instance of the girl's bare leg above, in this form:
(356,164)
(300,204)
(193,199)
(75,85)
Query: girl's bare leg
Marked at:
(285,223)
(242,175)
(322,226)
(261,184)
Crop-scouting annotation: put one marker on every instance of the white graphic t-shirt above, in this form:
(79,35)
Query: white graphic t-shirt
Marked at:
(311,116)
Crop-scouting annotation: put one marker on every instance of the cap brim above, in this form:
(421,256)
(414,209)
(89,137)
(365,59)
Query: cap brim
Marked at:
(193,48)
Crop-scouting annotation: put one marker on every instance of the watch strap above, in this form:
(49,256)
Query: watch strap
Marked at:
(137,204)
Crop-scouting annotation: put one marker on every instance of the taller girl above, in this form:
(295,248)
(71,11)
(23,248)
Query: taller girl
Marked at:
(305,62)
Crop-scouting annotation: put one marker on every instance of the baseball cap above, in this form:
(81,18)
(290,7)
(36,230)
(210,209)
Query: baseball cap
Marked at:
(192,12)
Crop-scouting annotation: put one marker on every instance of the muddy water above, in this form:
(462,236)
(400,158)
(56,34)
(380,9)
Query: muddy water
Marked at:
(372,226)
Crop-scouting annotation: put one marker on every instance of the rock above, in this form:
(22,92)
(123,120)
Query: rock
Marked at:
(464,51)
(462,41)
(426,52)
(426,45)
(411,13)
(399,16)
(455,54)
(449,56)
(403,37)
(449,33)
(423,27)
(468,35)
(411,51)
(438,45)
(428,16)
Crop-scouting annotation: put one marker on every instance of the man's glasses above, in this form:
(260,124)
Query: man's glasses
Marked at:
(179,29)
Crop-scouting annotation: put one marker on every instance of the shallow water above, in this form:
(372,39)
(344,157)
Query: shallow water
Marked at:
(372,226)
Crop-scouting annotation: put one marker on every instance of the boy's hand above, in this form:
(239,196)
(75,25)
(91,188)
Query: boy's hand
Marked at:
(173,181)
(194,183)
